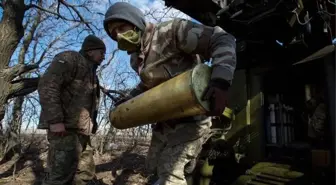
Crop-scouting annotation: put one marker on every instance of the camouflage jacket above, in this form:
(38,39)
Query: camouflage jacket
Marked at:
(69,93)
(316,123)
(169,49)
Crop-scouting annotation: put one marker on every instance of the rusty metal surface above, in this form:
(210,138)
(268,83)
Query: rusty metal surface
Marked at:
(175,98)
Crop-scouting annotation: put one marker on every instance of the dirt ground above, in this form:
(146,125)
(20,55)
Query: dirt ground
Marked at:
(117,168)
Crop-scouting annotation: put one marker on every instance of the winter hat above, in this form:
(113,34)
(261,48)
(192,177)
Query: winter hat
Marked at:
(92,42)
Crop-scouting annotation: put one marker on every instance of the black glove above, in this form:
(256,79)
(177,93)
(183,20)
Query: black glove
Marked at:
(95,124)
(216,93)
(95,128)
(122,100)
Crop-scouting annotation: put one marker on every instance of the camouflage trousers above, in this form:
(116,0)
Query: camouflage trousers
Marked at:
(172,150)
(70,160)
(317,122)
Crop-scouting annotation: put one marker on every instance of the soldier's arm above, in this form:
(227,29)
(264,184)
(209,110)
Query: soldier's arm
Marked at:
(49,88)
(210,42)
(319,117)
(140,88)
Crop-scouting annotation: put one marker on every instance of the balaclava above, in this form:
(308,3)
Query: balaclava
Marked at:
(122,11)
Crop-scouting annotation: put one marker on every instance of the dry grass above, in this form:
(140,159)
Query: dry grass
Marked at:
(125,166)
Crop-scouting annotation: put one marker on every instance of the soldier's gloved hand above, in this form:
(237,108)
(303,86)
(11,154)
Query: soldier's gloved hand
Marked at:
(122,100)
(57,129)
(94,128)
(216,93)
(95,124)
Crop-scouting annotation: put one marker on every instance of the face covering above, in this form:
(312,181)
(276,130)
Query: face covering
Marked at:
(129,40)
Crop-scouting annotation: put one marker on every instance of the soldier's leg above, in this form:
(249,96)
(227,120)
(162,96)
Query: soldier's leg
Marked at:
(184,144)
(156,146)
(173,161)
(86,166)
(62,159)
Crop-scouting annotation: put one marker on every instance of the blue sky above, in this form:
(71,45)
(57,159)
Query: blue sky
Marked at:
(119,68)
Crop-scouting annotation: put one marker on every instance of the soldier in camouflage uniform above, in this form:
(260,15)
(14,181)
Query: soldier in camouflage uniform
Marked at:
(69,97)
(316,109)
(161,52)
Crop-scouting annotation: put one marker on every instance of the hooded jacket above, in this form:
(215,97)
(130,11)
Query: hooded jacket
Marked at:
(169,48)
(126,12)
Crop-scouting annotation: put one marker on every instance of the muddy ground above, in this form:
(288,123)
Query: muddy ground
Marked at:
(122,167)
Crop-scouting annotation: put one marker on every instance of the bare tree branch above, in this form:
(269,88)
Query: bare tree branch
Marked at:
(108,93)
(27,22)
(23,86)
(58,14)
(29,37)
(46,10)
(78,13)
(109,61)
(55,41)
(110,96)
(17,70)
(58,7)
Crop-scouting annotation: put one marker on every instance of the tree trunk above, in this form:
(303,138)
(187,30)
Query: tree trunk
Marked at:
(16,122)
(11,32)
(4,92)
(11,145)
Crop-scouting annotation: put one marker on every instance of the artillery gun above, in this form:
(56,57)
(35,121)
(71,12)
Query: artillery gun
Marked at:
(285,55)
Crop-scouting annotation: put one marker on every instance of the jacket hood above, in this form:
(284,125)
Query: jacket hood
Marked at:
(126,12)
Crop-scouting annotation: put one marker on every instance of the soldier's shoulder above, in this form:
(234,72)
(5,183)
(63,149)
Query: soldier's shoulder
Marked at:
(69,56)
(171,22)
(166,24)
(169,26)
(176,24)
